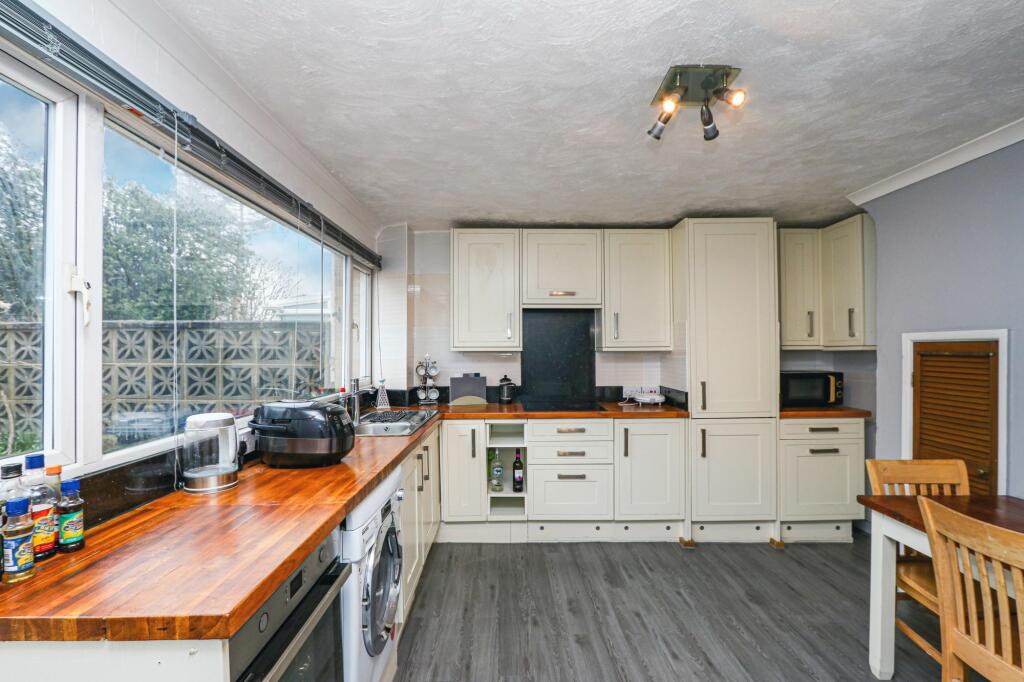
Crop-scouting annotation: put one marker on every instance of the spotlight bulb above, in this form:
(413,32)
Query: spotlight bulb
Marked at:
(734,98)
(659,126)
(670,103)
(708,121)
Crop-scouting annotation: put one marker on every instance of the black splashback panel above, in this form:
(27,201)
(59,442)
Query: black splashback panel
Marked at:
(558,354)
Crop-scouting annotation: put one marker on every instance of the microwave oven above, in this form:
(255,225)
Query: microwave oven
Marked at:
(811,389)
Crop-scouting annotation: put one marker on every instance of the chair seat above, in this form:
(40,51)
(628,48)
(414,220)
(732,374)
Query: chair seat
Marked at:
(917,579)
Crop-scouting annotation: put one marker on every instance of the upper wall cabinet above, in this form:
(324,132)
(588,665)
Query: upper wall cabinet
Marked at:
(800,286)
(637,312)
(562,268)
(732,330)
(485,289)
(848,283)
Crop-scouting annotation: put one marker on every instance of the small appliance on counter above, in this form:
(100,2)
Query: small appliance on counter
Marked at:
(649,398)
(506,390)
(210,453)
(810,388)
(303,433)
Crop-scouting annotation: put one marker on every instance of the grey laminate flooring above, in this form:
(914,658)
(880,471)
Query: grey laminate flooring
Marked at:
(632,612)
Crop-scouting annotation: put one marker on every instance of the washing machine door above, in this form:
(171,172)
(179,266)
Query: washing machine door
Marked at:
(382,583)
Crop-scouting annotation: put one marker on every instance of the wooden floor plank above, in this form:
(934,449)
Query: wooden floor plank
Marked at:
(648,612)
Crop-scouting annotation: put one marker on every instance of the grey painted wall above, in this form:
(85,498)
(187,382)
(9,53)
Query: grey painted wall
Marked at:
(951,256)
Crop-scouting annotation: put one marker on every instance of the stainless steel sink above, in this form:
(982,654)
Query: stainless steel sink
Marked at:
(392,422)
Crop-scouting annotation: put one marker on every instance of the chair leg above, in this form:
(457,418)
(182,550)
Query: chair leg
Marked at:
(920,641)
(952,669)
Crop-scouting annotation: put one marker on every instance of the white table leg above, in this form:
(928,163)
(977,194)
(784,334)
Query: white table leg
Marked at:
(882,617)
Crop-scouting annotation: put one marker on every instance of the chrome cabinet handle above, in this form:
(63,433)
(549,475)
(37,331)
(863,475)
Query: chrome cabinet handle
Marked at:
(625,441)
(823,429)
(849,319)
(561,293)
(508,330)
(572,477)
(571,453)
(615,318)
(472,442)
(810,323)
(426,450)
(703,443)
(703,395)
(419,488)
(824,451)
(573,429)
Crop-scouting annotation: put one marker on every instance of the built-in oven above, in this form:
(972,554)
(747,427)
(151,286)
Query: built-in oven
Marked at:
(297,633)
(811,389)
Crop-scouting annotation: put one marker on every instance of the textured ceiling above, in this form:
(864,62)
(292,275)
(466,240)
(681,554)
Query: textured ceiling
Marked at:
(434,111)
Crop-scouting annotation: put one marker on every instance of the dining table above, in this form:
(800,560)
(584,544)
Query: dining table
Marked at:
(896,520)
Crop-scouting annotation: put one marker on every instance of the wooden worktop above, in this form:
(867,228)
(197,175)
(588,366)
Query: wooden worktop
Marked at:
(195,566)
(517,411)
(823,413)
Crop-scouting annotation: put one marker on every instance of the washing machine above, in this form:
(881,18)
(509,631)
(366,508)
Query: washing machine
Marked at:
(370,544)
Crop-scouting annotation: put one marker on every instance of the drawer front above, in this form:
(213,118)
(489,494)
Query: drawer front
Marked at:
(557,430)
(569,492)
(820,480)
(572,452)
(817,429)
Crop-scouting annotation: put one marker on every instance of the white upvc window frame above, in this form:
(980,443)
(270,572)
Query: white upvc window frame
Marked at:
(63,320)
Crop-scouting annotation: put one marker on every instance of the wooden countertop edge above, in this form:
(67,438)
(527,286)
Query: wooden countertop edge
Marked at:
(823,413)
(877,503)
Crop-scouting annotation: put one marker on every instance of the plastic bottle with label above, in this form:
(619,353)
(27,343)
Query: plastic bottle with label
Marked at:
(70,517)
(17,533)
(43,505)
(10,487)
(52,479)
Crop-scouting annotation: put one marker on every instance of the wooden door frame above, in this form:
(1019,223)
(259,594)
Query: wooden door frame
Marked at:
(1001,337)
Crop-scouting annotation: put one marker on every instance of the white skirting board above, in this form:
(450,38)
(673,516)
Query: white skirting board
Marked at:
(509,532)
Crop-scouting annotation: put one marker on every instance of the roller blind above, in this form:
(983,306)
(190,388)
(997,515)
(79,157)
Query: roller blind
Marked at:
(30,28)
(956,406)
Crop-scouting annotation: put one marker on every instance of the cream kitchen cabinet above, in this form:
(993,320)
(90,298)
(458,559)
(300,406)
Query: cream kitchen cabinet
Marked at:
(637,312)
(848,274)
(821,469)
(733,468)
(571,492)
(732,331)
(485,312)
(800,288)
(562,268)
(430,501)
(463,472)
(650,468)
(410,516)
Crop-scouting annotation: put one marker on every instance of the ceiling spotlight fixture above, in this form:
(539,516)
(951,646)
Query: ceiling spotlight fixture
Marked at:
(708,121)
(696,85)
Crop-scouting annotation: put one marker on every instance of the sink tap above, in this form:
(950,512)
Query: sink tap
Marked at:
(353,398)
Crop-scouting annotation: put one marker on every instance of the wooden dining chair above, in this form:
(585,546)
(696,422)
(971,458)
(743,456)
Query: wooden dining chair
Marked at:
(980,571)
(914,573)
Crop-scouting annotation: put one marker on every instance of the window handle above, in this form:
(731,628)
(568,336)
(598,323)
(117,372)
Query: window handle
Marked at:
(76,284)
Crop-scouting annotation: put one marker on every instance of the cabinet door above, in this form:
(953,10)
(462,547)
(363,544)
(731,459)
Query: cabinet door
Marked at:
(734,465)
(562,267)
(650,469)
(432,484)
(463,472)
(570,493)
(485,289)
(733,328)
(842,283)
(820,480)
(410,520)
(799,287)
(638,290)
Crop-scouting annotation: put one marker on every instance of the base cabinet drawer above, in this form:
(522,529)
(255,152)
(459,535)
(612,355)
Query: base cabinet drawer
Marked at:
(585,452)
(557,430)
(570,492)
(819,429)
(820,480)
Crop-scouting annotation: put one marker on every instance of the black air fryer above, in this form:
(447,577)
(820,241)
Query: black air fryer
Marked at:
(302,433)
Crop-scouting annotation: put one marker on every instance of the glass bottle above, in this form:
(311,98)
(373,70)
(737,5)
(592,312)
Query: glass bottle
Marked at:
(17,532)
(497,472)
(517,473)
(70,517)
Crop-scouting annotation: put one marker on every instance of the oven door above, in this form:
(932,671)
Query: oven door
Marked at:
(307,646)
(381,586)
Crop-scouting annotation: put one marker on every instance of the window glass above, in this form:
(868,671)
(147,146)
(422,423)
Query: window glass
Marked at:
(361,326)
(245,323)
(23,138)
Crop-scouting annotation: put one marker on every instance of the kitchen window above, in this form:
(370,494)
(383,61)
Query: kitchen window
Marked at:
(136,289)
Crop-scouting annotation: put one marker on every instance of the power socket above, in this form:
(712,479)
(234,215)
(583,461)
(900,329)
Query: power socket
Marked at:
(630,391)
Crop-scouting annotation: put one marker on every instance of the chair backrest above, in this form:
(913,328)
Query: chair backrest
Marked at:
(918,477)
(979,570)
